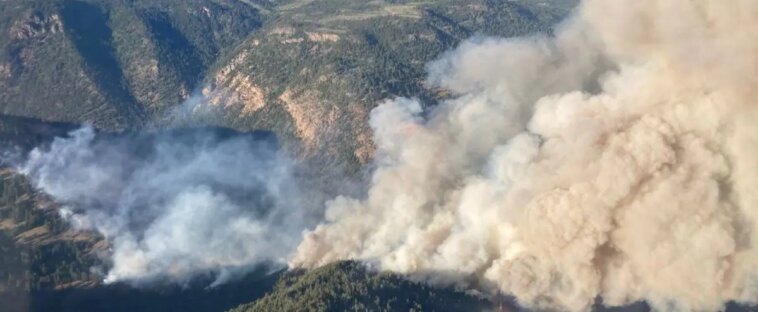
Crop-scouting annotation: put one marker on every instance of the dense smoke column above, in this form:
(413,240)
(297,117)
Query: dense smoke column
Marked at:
(176,204)
(615,159)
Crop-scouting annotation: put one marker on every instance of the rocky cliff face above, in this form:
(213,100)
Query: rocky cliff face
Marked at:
(35,26)
(310,71)
(315,69)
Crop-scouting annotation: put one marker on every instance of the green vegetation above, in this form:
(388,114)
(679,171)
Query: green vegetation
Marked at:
(308,70)
(27,133)
(122,64)
(114,63)
(37,249)
(349,286)
(338,58)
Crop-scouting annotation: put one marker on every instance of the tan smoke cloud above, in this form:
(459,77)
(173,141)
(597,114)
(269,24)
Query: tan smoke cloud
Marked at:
(615,159)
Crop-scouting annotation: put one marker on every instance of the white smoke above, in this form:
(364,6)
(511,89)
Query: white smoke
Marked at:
(615,159)
(177,204)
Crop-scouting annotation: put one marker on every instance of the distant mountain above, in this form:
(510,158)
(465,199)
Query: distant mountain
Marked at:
(315,69)
(310,71)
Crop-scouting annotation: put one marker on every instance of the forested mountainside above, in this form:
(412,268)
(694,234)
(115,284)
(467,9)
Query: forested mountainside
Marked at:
(350,286)
(47,266)
(111,63)
(310,71)
(38,250)
(315,69)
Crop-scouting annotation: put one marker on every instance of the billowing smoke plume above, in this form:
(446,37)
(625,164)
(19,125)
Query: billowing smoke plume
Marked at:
(176,204)
(617,158)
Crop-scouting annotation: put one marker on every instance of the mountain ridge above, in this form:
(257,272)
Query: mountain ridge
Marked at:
(307,71)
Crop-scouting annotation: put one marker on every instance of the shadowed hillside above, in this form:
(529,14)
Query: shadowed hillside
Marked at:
(111,63)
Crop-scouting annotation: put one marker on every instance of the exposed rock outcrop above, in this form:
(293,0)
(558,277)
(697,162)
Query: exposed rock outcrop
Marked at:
(36,25)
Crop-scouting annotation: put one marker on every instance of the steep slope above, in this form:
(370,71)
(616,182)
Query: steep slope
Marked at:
(317,68)
(112,63)
(39,249)
(27,133)
(349,286)
(308,70)
(45,265)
